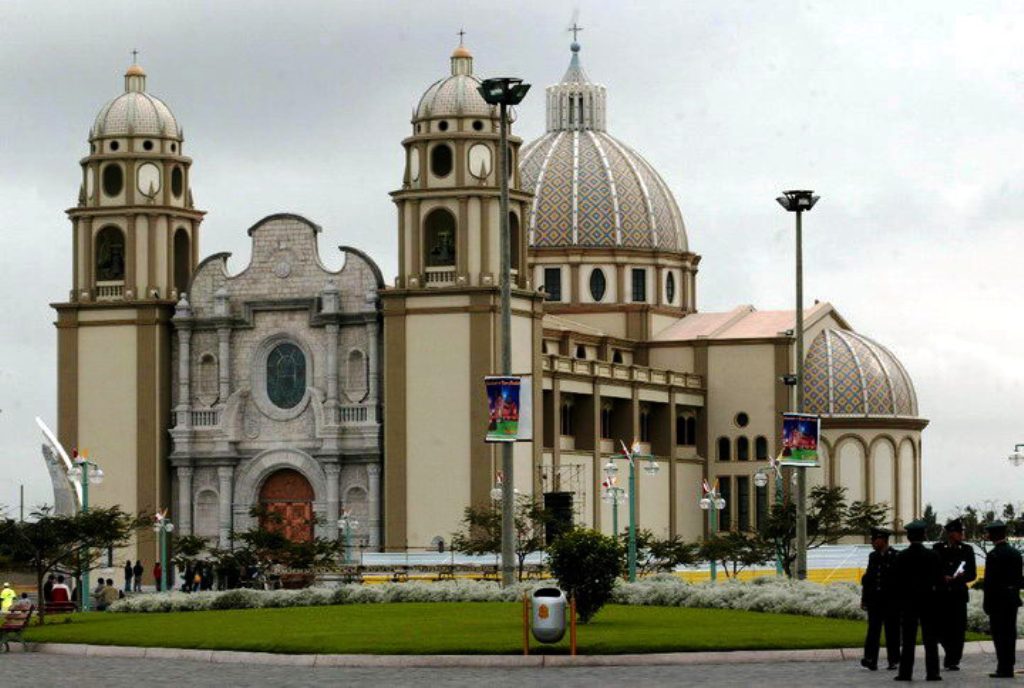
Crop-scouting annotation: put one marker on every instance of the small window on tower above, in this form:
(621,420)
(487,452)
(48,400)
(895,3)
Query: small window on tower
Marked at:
(598,284)
(443,125)
(109,255)
(553,283)
(441,160)
(147,145)
(478,125)
(177,182)
(174,148)
(114,145)
(113,179)
(670,287)
(639,285)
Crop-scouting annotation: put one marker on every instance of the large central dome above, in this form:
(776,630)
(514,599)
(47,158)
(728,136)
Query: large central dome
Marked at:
(590,189)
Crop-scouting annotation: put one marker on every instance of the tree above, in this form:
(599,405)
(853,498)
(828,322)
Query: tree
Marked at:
(187,550)
(481,531)
(737,551)
(828,519)
(932,530)
(586,564)
(654,555)
(266,547)
(46,541)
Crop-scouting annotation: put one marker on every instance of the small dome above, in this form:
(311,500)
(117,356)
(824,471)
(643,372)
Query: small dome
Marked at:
(847,374)
(590,189)
(135,112)
(455,95)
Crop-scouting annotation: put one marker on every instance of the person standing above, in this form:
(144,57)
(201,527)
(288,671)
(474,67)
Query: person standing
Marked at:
(138,570)
(1003,581)
(7,597)
(157,570)
(48,588)
(920,575)
(128,573)
(958,570)
(879,600)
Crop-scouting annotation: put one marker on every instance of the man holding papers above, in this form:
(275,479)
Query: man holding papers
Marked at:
(958,570)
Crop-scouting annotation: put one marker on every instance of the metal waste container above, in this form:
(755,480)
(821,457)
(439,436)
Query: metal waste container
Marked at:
(548,617)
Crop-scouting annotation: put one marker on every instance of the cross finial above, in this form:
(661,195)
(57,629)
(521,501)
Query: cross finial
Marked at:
(575,30)
(135,57)
(461,34)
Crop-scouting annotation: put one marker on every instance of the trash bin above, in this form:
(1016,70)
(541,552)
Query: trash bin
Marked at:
(548,620)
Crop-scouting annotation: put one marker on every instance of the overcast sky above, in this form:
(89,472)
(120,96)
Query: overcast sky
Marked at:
(905,117)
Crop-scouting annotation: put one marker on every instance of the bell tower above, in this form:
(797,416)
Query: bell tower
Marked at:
(135,241)
(441,319)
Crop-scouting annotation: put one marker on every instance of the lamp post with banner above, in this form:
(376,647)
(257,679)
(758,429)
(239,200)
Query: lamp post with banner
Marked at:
(712,502)
(87,473)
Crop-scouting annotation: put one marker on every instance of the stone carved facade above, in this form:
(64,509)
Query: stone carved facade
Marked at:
(232,431)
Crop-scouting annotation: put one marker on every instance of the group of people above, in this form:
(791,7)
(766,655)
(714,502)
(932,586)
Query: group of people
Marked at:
(928,588)
(133,575)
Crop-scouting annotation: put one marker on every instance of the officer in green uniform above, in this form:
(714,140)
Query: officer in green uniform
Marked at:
(879,599)
(1003,581)
(920,576)
(958,571)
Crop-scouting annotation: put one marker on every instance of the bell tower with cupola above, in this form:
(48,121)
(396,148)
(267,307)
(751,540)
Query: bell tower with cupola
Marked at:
(441,319)
(135,244)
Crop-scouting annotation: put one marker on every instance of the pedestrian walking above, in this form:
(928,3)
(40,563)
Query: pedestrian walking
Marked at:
(157,570)
(958,571)
(7,597)
(1003,580)
(880,600)
(138,570)
(129,572)
(920,576)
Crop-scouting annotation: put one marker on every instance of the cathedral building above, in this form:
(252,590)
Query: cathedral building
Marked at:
(313,393)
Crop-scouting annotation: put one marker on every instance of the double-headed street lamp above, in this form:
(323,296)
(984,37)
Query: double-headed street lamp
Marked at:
(347,523)
(503,92)
(631,454)
(87,473)
(163,527)
(613,494)
(712,502)
(799,202)
(1016,458)
(761,480)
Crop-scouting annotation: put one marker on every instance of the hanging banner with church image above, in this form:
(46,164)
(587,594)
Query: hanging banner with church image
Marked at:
(509,408)
(800,435)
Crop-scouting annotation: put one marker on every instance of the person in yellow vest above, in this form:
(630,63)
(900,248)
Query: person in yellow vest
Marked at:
(7,597)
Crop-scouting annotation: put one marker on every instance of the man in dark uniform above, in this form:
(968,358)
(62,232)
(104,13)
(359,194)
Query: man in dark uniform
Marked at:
(958,570)
(879,599)
(920,576)
(1003,580)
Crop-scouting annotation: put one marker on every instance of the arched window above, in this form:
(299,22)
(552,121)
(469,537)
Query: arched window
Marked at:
(356,375)
(724,449)
(113,179)
(617,356)
(761,449)
(286,375)
(670,287)
(513,238)
(743,449)
(177,181)
(182,260)
(606,421)
(439,239)
(441,160)
(207,378)
(598,284)
(686,430)
(567,424)
(645,425)
(581,351)
(109,255)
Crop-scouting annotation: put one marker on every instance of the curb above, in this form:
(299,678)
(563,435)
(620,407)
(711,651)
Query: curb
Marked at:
(476,661)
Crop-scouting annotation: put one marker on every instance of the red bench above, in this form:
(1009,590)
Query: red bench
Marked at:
(15,622)
(65,607)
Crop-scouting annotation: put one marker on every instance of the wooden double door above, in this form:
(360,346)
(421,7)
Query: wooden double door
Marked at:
(289,495)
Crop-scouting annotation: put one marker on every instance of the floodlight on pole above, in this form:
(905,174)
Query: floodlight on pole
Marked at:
(1017,457)
(799,202)
(503,92)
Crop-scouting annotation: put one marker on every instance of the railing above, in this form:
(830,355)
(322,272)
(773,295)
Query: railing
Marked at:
(617,371)
(206,418)
(109,291)
(440,277)
(351,414)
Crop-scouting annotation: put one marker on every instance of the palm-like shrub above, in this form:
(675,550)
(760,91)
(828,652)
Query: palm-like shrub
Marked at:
(586,564)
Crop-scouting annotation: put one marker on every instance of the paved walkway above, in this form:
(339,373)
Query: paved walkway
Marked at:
(36,669)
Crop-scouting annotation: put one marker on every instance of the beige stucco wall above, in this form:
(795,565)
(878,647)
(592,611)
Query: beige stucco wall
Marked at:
(741,378)
(689,523)
(654,499)
(849,470)
(678,358)
(907,507)
(882,464)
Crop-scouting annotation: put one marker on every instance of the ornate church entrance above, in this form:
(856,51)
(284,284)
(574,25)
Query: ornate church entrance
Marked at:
(289,494)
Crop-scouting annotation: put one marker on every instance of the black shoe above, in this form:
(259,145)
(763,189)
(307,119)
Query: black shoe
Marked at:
(952,667)
(1000,675)
(892,667)
(936,677)
(871,666)
(900,677)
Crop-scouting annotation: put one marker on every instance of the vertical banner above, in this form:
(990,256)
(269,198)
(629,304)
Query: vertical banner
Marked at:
(800,435)
(503,395)
(525,433)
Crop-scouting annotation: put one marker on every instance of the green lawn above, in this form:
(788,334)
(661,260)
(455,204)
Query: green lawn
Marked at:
(448,628)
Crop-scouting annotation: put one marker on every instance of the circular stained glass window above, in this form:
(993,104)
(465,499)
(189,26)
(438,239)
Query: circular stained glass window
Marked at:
(286,375)
(598,284)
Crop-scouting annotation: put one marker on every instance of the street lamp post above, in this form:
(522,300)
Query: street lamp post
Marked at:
(631,454)
(712,502)
(798,202)
(1017,457)
(503,92)
(163,528)
(86,472)
(761,480)
(347,523)
(613,494)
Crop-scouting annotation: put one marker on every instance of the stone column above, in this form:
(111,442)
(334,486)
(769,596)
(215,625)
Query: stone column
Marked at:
(184,514)
(225,476)
(183,323)
(374,362)
(373,504)
(333,471)
(224,363)
(332,365)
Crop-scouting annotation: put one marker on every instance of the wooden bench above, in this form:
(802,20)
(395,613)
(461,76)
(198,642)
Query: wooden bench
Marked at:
(14,625)
(490,573)
(445,572)
(400,574)
(60,607)
(352,575)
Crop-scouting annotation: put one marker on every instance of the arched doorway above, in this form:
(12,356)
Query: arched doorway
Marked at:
(287,493)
